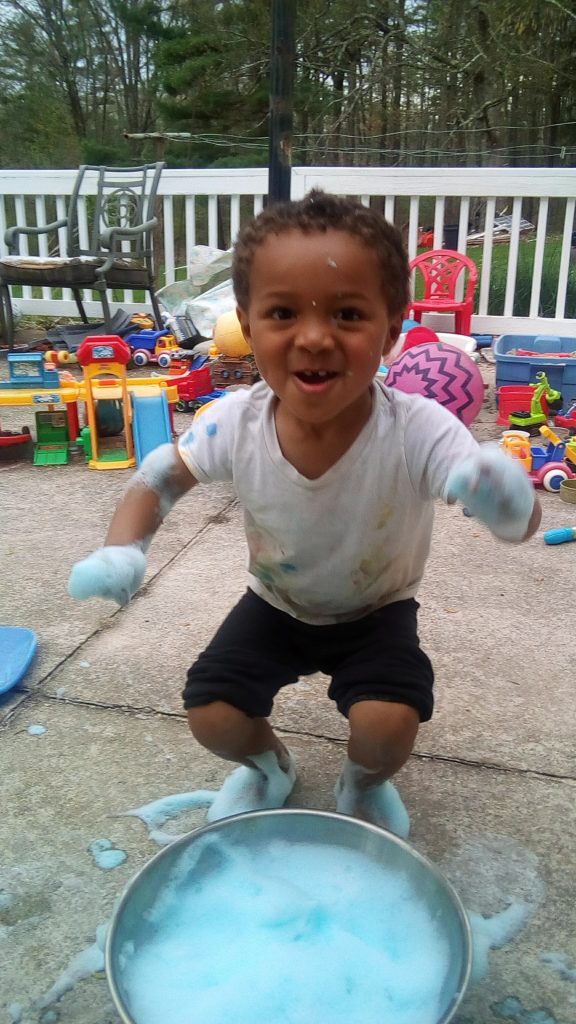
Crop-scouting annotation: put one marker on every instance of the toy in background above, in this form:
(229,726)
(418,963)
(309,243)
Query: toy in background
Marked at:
(153,347)
(104,360)
(183,329)
(568,420)
(548,354)
(228,337)
(560,535)
(546,467)
(32,382)
(442,372)
(15,444)
(194,389)
(53,441)
(27,371)
(233,362)
(126,419)
(17,649)
(413,334)
(60,357)
(537,415)
(512,397)
(570,456)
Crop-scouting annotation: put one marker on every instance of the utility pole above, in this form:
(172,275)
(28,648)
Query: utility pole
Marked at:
(281,100)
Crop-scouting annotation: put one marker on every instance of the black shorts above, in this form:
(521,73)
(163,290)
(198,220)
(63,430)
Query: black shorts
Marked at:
(258,649)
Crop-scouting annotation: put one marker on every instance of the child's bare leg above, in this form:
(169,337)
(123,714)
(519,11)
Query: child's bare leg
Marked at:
(382,736)
(268,774)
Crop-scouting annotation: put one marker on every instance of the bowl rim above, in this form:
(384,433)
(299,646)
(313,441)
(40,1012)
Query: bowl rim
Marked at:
(465,974)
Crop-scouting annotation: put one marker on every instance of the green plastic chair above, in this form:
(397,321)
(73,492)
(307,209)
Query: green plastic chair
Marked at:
(118,252)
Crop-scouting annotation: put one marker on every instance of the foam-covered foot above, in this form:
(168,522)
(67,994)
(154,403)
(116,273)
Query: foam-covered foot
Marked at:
(114,572)
(381,804)
(262,788)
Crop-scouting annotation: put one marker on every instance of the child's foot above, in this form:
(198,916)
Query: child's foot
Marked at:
(380,804)
(262,788)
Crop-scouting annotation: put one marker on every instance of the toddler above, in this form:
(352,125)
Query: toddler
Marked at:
(337,475)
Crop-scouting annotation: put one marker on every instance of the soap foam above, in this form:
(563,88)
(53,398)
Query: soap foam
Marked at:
(284,934)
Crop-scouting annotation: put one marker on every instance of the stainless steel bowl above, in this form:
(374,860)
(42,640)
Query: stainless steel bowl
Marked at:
(130,925)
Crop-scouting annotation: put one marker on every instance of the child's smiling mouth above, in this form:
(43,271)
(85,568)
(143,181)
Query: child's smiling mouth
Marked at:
(315,380)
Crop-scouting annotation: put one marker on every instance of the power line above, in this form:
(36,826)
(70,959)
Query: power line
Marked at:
(240,142)
(401,132)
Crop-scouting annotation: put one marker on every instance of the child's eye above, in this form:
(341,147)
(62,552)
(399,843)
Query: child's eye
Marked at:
(349,314)
(281,313)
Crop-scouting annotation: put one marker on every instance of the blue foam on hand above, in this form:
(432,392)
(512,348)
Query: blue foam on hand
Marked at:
(114,573)
(496,489)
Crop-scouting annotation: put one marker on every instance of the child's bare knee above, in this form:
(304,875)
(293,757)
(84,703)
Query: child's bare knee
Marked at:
(214,725)
(382,733)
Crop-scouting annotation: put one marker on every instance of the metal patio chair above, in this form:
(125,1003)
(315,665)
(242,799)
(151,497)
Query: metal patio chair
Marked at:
(114,249)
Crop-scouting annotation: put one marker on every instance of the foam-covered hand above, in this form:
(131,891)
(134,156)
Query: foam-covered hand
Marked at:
(113,572)
(496,489)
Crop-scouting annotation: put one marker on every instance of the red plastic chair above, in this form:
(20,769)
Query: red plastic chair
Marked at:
(440,270)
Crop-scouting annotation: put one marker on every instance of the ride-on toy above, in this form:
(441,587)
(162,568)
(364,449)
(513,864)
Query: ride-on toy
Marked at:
(545,466)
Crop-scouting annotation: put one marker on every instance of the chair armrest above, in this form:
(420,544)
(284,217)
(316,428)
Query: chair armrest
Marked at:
(11,235)
(110,235)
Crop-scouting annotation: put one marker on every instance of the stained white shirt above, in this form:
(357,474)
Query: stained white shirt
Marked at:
(338,547)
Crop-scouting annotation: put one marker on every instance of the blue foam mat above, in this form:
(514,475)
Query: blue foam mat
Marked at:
(17,648)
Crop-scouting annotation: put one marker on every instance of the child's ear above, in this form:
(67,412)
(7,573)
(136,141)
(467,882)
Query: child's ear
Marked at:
(394,332)
(244,323)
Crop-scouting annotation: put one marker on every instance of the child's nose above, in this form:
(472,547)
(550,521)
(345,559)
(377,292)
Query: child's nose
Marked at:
(314,333)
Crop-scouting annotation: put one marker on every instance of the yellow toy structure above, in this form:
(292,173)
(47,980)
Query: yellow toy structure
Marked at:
(104,362)
(144,403)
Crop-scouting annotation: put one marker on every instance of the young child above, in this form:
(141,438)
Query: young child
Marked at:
(337,475)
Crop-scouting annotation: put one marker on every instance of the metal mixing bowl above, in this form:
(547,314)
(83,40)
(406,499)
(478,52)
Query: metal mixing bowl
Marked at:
(130,924)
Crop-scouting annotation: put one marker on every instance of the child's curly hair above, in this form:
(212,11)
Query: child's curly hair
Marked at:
(318,212)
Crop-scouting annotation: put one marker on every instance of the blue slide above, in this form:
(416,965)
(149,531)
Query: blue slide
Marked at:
(150,423)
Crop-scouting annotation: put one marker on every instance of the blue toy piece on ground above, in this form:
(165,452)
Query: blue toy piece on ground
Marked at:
(17,648)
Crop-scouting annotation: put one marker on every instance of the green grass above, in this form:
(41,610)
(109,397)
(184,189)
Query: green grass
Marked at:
(548,288)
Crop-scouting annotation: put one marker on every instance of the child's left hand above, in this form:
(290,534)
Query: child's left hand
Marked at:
(496,489)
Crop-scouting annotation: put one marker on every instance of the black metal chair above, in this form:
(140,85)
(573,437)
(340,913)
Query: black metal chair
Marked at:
(118,250)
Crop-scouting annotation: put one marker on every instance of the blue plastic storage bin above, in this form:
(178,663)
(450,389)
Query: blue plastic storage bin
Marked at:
(560,371)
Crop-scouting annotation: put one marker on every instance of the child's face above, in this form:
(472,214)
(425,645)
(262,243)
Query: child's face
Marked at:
(317,321)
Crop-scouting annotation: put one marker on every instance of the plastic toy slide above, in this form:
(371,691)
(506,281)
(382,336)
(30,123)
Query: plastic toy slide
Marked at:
(17,648)
(150,423)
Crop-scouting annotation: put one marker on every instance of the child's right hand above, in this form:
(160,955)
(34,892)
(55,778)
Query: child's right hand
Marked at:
(114,572)
(496,489)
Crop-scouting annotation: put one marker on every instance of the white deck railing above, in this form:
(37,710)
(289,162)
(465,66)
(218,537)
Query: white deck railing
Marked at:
(208,206)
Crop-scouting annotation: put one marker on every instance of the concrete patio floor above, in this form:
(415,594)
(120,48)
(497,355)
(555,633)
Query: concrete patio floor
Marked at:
(490,787)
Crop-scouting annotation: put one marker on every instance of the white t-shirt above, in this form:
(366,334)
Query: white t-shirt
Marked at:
(336,548)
